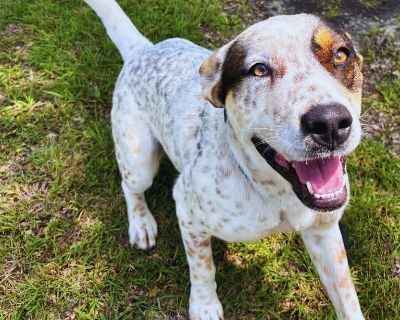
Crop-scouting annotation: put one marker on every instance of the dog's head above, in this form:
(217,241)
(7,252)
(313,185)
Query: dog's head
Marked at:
(291,87)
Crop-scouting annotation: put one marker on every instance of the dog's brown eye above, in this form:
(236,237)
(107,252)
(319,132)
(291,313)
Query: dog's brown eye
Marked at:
(260,70)
(341,56)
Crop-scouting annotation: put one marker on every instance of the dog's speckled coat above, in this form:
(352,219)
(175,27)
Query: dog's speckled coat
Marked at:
(225,188)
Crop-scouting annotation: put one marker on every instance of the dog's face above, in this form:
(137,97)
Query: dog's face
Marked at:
(291,87)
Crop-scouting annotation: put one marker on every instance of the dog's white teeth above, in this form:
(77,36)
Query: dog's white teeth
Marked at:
(309,187)
(328,195)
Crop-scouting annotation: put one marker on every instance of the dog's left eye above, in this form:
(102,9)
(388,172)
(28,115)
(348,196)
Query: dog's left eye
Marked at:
(341,56)
(260,70)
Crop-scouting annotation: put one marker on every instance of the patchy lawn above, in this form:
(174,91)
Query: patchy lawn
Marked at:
(64,250)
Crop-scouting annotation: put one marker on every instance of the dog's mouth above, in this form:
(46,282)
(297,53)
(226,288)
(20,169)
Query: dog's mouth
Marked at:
(319,183)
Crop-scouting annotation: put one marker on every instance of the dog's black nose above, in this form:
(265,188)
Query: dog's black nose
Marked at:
(328,125)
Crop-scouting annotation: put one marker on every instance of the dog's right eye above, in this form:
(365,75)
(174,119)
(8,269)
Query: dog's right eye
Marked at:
(260,70)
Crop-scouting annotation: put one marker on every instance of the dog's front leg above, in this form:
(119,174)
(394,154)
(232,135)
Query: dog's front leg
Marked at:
(204,303)
(325,246)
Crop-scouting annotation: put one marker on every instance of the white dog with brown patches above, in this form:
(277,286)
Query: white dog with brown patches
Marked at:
(259,135)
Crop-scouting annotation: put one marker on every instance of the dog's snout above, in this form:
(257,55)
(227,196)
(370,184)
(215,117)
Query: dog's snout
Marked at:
(328,125)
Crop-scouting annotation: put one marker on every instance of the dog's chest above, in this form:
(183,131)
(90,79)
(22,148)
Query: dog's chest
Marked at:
(232,209)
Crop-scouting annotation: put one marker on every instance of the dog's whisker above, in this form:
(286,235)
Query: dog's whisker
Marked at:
(365,112)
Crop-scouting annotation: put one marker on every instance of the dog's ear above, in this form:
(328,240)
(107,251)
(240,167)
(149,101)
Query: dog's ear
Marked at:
(210,77)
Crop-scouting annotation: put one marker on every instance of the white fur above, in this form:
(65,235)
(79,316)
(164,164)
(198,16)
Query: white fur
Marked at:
(225,188)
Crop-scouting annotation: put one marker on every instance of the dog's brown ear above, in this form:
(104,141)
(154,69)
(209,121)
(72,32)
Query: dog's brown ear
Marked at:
(210,77)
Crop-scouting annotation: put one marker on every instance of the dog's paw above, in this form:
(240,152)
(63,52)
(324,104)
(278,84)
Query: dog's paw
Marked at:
(202,310)
(143,232)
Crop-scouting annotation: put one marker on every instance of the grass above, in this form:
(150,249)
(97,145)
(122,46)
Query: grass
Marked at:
(64,250)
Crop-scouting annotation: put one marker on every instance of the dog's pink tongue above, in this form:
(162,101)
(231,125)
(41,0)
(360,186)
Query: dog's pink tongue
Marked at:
(325,175)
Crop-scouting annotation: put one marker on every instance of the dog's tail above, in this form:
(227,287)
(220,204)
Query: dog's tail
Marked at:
(119,28)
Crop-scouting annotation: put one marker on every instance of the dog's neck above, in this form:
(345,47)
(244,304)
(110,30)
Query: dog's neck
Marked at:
(247,159)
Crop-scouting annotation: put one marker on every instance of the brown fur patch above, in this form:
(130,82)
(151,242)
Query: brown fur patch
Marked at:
(324,44)
(190,252)
(232,69)
(317,239)
(324,38)
(204,243)
(326,270)
(140,209)
(214,98)
(210,66)
(209,263)
(344,281)
(279,67)
(340,256)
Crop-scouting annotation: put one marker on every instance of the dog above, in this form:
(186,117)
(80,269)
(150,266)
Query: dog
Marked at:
(259,131)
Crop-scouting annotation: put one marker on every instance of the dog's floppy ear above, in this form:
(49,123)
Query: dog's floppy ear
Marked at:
(210,77)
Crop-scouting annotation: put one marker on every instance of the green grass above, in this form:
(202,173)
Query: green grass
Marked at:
(64,250)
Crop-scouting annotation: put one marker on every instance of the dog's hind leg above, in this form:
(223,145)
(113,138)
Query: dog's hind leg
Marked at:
(138,155)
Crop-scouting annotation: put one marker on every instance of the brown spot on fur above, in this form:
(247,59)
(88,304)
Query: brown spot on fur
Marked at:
(326,270)
(140,209)
(312,88)
(209,263)
(317,239)
(136,149)
(204,243)
(340,256)
(344,281)
(268,182)
(195,277)
(282,215)
(299,77)
(190,252)
(193,236)
(279,67)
